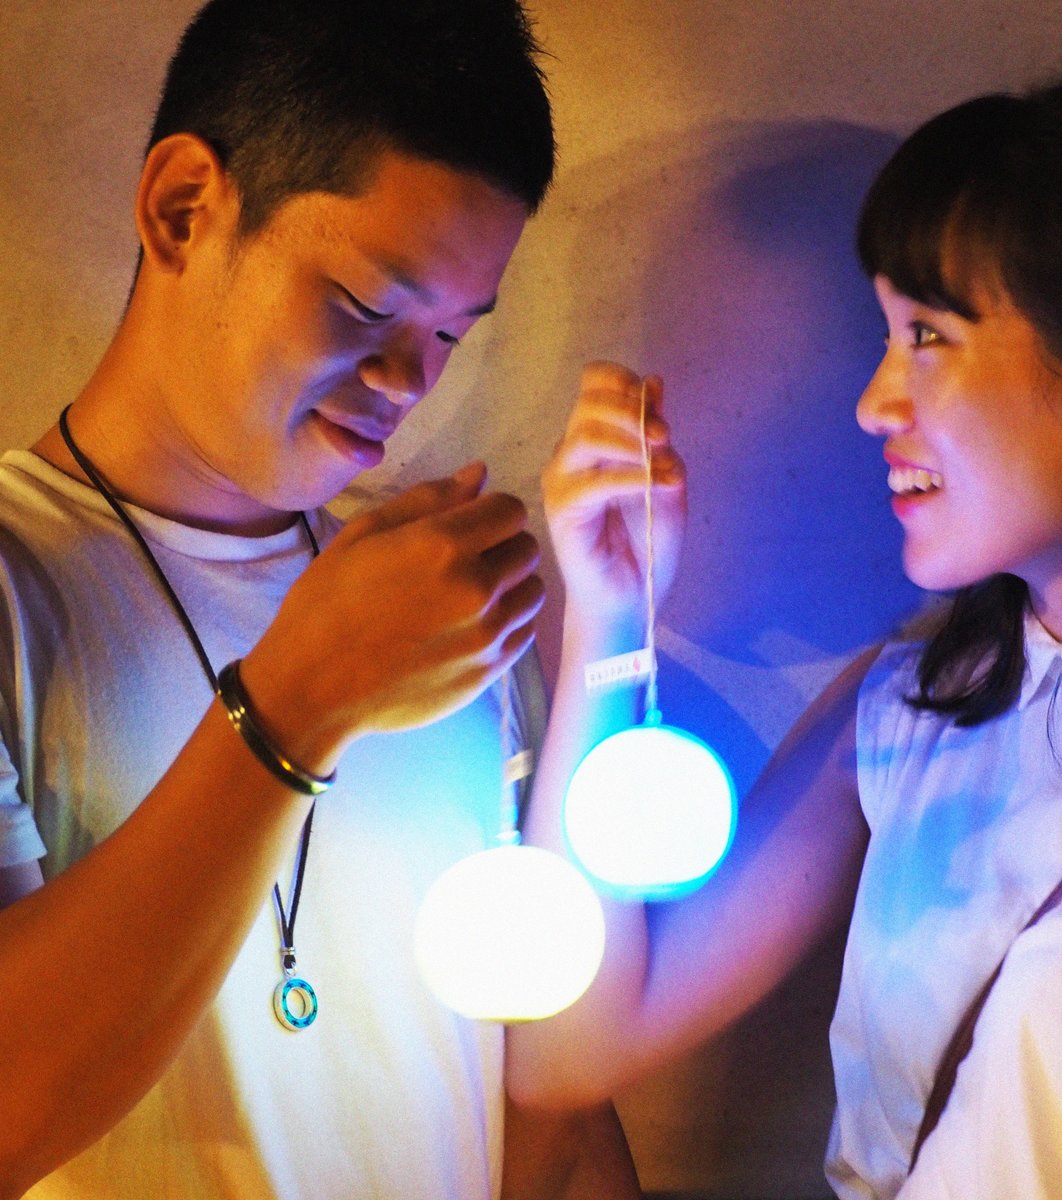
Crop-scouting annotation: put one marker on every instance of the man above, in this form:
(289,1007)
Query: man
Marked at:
(330,196)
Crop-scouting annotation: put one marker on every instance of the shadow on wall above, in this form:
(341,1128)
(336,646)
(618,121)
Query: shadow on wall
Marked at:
(725,262)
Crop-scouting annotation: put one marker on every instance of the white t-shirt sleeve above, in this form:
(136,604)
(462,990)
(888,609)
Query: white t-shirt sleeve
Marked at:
(1000,1136)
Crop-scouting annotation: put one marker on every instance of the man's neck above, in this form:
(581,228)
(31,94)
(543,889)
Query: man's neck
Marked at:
(139,471)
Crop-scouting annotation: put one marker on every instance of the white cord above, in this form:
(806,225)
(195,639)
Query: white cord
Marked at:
(652,712)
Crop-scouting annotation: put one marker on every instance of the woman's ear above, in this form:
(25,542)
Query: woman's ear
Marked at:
(184,193)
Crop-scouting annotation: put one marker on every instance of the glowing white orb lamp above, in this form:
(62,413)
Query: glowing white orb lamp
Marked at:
(650,812)
(510,934)
(513,933)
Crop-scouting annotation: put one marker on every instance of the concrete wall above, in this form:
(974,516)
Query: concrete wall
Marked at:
(712,159)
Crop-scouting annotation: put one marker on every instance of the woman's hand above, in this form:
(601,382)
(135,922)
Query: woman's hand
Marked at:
(594,491)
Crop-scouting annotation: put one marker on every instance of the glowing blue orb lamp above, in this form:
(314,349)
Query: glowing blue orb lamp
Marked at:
(650,812)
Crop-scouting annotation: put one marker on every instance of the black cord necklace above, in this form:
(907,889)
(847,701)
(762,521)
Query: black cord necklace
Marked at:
(291,986)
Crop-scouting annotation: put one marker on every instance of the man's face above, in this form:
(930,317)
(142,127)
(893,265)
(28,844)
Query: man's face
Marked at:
(312,339)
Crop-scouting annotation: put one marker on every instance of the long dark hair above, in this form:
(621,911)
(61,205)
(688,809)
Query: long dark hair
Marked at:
(974,198)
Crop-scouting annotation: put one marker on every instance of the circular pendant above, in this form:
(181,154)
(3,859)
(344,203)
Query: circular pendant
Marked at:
(295,1003)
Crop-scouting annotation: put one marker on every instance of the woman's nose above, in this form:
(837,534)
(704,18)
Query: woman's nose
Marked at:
(885,406)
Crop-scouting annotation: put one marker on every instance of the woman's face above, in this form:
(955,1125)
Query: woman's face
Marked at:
(971,414)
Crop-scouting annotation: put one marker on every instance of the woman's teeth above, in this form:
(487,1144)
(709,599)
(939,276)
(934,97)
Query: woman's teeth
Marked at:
(904,480)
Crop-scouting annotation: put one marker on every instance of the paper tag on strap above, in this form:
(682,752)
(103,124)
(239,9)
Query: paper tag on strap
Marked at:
(519,766)
(619,671)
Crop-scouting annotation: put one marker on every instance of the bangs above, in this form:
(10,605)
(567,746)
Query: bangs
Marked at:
(931,223)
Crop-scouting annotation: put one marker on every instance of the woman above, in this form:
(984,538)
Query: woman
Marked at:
(925,785)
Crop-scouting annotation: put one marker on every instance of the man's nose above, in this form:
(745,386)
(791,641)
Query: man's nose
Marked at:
(397,371)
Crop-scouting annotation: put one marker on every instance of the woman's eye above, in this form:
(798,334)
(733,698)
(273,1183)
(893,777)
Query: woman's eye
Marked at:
(923,334)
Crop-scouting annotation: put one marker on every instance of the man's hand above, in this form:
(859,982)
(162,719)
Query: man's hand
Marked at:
(408,615)
(594,490)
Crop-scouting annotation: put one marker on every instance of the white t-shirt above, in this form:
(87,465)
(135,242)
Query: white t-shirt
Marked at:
(388,1094)
(966,842)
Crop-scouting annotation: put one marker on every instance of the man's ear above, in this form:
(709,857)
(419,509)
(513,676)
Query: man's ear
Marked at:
(184,193)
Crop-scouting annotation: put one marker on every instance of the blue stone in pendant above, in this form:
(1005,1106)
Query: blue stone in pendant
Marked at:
(299,990)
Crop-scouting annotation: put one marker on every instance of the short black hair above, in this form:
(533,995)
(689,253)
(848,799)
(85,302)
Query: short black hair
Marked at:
(974,197)
(302,95)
